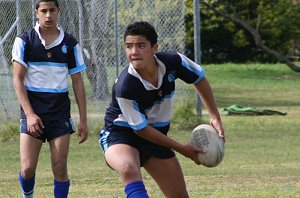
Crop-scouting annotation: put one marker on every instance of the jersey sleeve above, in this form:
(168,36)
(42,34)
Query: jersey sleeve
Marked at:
(190,72)
(126,94)
(18,51)
(131,114)
(75,61)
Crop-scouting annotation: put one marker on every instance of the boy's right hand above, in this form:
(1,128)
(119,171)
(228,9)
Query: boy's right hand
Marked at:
(34,125)
(191,151)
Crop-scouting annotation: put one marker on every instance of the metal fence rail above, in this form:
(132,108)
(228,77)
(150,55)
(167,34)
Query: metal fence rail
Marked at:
(98,26)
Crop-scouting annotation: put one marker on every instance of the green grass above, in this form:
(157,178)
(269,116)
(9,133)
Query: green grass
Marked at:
(262,152)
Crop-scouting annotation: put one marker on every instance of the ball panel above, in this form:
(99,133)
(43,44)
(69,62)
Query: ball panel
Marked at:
(205,137)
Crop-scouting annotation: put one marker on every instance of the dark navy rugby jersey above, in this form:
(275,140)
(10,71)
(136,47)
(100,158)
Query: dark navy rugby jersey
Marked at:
(46,79)
(136,103)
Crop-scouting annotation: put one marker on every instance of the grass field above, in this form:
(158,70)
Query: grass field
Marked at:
(262,152)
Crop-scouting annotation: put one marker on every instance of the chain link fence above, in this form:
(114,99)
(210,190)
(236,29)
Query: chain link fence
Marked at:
(98,26)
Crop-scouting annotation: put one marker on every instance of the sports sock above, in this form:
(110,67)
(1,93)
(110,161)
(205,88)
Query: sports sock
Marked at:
(136,189)
(61,189)
(27,186)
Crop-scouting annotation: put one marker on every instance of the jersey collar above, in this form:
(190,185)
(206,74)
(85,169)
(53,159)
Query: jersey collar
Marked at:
(147,85)
(56,42)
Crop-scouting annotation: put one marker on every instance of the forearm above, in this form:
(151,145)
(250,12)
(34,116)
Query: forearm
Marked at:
(80,97)
(204,90)
(22,95)
(153,135)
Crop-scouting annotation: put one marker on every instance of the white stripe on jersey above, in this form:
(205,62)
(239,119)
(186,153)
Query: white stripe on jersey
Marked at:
(46,77)
(132,117)
(159,115)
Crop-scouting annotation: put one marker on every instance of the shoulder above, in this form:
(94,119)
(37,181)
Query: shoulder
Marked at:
(28,35)
(169,57)
(126,85)
(70,39)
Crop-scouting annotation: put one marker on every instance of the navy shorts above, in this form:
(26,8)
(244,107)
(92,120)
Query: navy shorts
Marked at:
(146,149)
(53,128)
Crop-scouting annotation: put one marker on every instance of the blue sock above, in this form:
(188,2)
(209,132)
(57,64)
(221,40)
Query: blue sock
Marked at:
(61,189)
(136,190)
(27,186)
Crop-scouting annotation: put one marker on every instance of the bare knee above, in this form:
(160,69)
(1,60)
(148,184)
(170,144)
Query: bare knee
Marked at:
(27,172)
(129,172)
(60,170)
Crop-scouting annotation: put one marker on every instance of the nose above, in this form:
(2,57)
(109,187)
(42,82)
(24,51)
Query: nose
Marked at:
(134,50)
(48,14)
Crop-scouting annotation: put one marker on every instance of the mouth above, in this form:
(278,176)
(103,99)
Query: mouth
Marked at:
(136,59)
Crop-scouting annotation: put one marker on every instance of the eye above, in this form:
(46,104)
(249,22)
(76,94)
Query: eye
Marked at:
(142,46)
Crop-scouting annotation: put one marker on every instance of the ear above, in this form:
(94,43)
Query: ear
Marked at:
(155,48)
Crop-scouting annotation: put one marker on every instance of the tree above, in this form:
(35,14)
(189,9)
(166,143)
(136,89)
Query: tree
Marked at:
(265,26)
(279,7)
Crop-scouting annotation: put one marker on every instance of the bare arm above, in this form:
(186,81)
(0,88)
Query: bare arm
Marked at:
(203,88)
(79,91)
(34,123)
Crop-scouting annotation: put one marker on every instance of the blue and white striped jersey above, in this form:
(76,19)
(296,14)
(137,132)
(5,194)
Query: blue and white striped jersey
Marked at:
(136,103)
(46,79)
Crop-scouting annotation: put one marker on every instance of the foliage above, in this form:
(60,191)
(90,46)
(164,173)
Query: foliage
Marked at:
(185,116)
(223,41)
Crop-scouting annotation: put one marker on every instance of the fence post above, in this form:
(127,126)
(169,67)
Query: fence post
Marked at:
(19,25)
(80,22)
(33,17)
(197,48)
(116,37)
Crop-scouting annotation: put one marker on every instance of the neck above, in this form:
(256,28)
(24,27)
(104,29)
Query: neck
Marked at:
(151,73)
(49,31)
(49,34)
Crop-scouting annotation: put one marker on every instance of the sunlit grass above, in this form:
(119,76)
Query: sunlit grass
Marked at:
(261,152)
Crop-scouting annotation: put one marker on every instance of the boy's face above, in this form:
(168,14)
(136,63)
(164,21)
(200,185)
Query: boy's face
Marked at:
(47,13)
(139,51)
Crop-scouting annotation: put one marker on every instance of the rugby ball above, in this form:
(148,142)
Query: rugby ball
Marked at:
(206,137)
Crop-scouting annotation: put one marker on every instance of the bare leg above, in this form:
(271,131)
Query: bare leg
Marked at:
(30,148)
(168,175)
(125,160)
(59,155)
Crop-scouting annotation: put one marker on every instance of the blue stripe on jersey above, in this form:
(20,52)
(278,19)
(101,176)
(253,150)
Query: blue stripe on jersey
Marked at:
(51,64)
(77,69)
(22,50)
(76,57)
(49,90)
(134,127)
(193,69)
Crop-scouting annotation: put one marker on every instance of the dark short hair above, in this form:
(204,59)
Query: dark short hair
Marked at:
(37,5)
(142,28)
